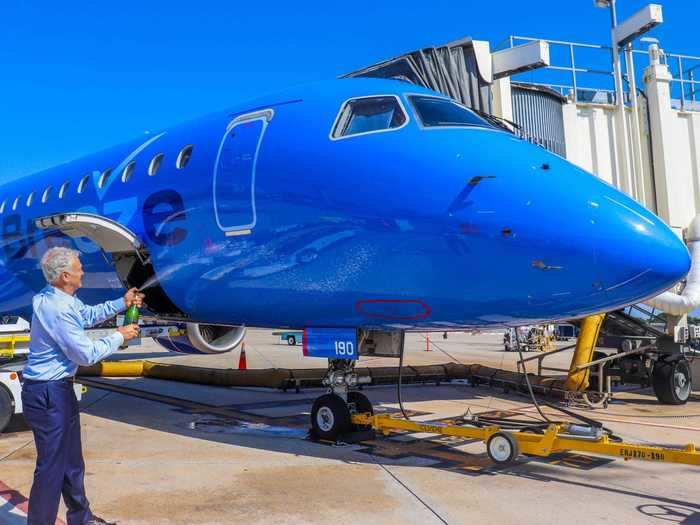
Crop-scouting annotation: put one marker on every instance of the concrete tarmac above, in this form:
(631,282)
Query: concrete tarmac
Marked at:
(155,463)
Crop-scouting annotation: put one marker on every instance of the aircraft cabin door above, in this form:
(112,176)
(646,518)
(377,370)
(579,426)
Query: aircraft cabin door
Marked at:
(234,173)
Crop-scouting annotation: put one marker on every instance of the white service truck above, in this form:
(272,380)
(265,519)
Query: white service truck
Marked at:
(14,348)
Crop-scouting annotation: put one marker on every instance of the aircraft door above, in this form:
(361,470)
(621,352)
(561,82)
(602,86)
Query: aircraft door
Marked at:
(234,172)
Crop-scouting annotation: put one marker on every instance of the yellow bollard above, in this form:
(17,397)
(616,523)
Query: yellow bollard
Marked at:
(577,380)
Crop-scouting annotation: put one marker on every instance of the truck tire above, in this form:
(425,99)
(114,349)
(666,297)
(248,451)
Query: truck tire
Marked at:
(7,409)
(291,340)
(672,382)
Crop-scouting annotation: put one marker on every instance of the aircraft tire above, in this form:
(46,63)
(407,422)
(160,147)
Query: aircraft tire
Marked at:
(330,418)
(6,409)
(672,382)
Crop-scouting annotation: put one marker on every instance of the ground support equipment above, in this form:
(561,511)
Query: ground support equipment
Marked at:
(13,351)
(12,345)
(504,447)
(642,354)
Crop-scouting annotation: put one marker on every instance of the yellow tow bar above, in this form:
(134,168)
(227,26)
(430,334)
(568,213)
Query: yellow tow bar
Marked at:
(503,447)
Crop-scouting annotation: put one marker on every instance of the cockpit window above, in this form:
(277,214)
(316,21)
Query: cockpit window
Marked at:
(440,112)
(368,115)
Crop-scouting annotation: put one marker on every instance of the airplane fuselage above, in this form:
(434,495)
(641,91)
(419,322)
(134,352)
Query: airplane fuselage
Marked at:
(272,220)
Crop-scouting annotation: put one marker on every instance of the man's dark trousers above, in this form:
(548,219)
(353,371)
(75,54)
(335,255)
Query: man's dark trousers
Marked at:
(51,410)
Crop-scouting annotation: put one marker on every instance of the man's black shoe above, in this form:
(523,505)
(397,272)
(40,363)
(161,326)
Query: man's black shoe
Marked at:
(99,521)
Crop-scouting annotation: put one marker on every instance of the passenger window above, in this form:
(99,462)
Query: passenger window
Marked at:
(184,157)
(30,199)
(2,206)
(128,171)
(154,166)
(369,114)
(83,183)
(16,202)
(103,178)
(45,196)
(64,188)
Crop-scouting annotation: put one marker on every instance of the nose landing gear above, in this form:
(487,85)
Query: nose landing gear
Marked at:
(331,414)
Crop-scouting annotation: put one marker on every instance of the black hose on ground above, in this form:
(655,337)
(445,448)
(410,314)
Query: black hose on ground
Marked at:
(527,379)
(588,421)
(398,384)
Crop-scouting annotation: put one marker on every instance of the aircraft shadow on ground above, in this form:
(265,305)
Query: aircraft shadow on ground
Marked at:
(432,452)
(178,419)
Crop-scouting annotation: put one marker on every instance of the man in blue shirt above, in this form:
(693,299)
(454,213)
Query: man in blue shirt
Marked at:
(58,345)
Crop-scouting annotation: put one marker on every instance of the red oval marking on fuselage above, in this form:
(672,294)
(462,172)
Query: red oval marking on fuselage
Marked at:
(393,309)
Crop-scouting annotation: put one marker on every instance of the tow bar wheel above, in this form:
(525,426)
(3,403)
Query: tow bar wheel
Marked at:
(330,417)
(502,448)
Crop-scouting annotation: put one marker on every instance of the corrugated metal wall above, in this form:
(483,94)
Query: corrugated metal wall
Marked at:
(538,113)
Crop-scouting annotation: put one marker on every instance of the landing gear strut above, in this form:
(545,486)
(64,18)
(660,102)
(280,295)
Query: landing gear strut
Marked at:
(331,413)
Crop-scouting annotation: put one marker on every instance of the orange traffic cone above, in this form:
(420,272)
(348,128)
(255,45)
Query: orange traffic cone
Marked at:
(242,365)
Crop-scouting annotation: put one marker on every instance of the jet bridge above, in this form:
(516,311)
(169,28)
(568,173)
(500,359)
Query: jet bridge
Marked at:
(465,69)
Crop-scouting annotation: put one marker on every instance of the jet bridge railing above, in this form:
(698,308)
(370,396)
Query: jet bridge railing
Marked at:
(567,57)
(600,67)
(685,81)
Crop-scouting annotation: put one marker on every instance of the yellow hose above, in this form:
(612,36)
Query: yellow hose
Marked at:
(118,369)
(577,380)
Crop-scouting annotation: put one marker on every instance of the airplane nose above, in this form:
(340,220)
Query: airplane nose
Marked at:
(588,247)
(566,243)
(638,255)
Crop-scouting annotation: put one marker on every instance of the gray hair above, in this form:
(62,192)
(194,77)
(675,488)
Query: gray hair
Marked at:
(57,260)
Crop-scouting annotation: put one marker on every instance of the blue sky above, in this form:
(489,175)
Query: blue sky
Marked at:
(80,76)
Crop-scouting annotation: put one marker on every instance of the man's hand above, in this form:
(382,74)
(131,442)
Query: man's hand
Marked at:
(133,297)
(129,332)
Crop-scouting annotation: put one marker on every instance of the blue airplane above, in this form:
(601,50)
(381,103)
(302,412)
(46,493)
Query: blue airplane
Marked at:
(345,208)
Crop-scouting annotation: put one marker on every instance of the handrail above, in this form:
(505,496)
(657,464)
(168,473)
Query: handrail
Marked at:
(681,78)
(540,357)
(612,357)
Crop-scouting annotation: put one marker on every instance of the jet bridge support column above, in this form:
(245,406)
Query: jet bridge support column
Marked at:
(672,200)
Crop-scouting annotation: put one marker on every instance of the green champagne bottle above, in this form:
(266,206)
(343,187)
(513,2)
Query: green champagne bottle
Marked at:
(130,317)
